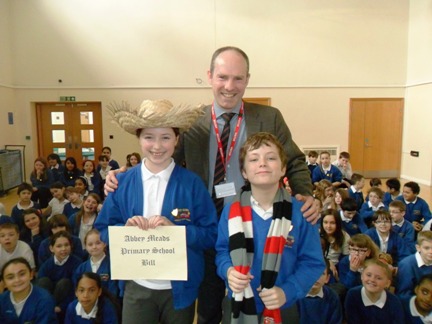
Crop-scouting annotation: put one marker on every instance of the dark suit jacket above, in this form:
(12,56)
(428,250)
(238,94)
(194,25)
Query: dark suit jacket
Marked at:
(193,146)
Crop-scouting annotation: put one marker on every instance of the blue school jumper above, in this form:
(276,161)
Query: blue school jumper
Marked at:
(68,210)
(357,312)
(347,277)
(104,272)
(417,211)
(17,214)
(317,310)
(409,274)
(396,247)
(355,226)
(108,310)
(45,253)
(366,212)
(334,175)
(38,308)
(407,233)
(357,196)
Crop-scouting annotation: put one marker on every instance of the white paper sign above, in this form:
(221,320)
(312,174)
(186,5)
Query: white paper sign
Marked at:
(154,254)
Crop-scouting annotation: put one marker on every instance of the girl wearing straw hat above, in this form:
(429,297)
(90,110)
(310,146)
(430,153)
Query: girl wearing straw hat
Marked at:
(140,201)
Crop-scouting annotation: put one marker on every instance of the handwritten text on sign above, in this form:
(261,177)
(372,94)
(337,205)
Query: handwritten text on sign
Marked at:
(154,254)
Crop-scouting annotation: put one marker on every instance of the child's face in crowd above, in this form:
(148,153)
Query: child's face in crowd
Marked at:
(328,192)
(383,225)
(57,193)
(103,164)
(423,299)
(17,277)
(322,280)
(87,293)
(338,198)
(25,196)
(343,161)
(39,166)
(349,213)
(263,166)
(360,184)
(396,214)
(329,224)
(107,153)
(61,248)
(133,160)
(94,246)
(69,165)
(360,253)
(31,221)
(8,239)
(88,167)
(425,250)
(374,199)
(374,279)
(90,205)
(80,186)
(73,197)
(325,160)
(312,159)
(52,162)
(408,194)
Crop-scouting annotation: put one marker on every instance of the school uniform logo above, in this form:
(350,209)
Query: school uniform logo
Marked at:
(181,214)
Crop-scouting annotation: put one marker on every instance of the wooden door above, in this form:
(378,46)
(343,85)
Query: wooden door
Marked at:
(70,130)
(375,136)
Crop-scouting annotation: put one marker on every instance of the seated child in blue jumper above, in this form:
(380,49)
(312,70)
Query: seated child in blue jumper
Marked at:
(35,230)
(418,308)
(373,204)
(326,170)
(312,161)
(387,240)
(75,201)
(98,262)
(266,263)
(393,191)
(361,248)
(400,226)
(355,190)
(417,209)
(413,267)
(93,304)
(55,274)
(24,302)
(321,304)
(371,302)
(352,223)
(24,191)
(59,223)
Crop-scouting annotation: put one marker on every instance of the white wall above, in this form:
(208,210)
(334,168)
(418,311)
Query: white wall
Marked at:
(310,57)
(418,101)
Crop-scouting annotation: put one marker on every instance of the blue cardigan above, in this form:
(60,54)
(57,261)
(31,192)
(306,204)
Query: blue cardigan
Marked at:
(185,190)
(302,262)
(416,212)
(357,312)
(108,311)
(38,308)
(409,274)
(334,175)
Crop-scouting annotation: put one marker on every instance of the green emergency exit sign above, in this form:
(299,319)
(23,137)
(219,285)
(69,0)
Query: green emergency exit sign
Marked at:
(63,98)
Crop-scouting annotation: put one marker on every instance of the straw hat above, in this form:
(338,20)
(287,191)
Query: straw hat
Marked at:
(154,113)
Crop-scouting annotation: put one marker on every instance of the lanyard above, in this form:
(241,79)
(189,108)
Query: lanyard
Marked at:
(234,139)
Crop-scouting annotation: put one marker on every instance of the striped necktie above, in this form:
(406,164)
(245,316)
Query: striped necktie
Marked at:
(219,171)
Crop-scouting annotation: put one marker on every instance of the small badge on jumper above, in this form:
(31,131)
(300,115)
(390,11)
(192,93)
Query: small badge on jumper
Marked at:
(181,214)
(225,190)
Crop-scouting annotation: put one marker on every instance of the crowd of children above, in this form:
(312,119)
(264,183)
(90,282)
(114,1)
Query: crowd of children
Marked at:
(378,247)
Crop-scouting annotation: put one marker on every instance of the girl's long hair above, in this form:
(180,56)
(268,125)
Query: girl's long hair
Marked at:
(338,234)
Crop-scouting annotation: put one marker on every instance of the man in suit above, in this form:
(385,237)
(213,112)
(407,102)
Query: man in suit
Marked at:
(198,151)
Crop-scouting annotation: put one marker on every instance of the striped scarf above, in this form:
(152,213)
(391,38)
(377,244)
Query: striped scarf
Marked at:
(241,247)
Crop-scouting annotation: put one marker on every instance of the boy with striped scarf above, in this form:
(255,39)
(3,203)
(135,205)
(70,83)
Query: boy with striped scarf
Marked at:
(268,255)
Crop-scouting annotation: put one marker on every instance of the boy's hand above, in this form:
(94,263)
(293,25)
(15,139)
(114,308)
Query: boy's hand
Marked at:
(272,298)
(238,281)
(417,226)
